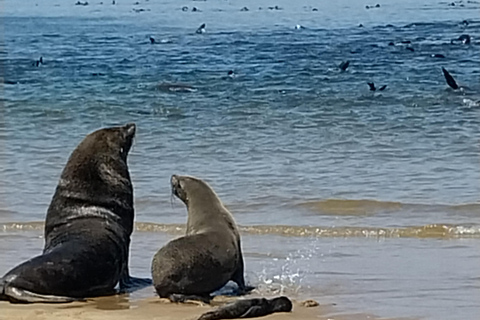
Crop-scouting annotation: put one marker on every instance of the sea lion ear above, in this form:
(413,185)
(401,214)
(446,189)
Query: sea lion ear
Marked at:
(130,130)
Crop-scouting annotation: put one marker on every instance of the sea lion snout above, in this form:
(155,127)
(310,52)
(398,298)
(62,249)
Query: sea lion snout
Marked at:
(127,133)
(177,189)
(130,129)
(174,180)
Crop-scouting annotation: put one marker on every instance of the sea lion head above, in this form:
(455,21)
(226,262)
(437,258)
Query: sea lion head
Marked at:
(98,166)
(189,189)
(113,140)
(101,154)
(205,209)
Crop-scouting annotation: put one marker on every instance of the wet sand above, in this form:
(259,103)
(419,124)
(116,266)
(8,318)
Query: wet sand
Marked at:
(122,307)
(119,309)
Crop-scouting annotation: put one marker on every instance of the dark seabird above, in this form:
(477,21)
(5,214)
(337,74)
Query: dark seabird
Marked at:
(464,38)
(201,29)
(450,80)
(372,86)
(344,65)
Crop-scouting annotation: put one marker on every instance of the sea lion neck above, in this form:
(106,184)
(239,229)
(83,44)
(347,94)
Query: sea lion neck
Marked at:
(208,214)
(203,211)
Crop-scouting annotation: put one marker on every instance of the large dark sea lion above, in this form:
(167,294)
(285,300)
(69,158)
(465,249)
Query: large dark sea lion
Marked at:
(87,230)
(203,261)
(249,308)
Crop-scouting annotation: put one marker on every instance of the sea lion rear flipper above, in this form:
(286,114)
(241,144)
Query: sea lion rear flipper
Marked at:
(239,278)
(130,284)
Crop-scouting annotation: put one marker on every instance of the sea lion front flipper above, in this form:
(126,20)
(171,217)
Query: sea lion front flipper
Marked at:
(255,311)
(239,279)
(211,315)
(17,295)
(2,290)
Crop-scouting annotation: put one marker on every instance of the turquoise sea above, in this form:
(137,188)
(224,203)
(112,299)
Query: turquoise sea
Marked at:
(365,200)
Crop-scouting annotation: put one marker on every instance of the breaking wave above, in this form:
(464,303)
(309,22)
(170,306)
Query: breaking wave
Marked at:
(439,231)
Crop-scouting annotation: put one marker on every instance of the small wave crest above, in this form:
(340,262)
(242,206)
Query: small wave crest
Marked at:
(366,207)
(351,207)
(439,231)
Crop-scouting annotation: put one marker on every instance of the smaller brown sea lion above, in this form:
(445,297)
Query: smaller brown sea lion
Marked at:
(208,256)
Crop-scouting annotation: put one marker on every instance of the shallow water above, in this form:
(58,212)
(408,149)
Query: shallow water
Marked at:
(368,200)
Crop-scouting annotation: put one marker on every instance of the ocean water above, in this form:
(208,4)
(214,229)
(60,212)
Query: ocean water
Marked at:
(365,200)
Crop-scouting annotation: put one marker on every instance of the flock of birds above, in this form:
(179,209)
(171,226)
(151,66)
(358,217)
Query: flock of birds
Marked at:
(463,39)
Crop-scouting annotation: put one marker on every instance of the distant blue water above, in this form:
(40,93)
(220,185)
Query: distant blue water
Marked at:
(288,130)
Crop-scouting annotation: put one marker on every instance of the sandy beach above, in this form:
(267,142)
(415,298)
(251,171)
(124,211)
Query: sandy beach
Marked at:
(119,308)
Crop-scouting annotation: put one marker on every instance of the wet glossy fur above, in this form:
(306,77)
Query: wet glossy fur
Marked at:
(87,229)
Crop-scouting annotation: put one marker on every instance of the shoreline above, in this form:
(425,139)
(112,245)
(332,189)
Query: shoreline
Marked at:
(120,308)
(123,307)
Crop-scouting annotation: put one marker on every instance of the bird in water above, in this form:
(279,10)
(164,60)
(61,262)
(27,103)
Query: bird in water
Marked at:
(450,80)
(373,88)
(152,40)
(201,29)
(344,65)
(463,39)
(38,62)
